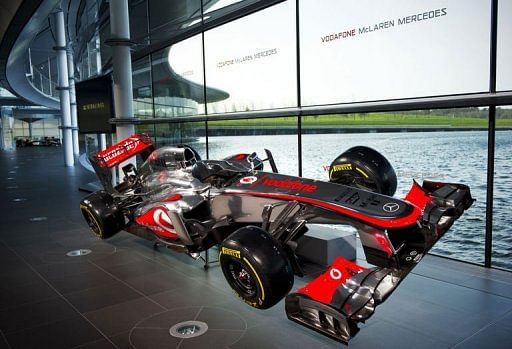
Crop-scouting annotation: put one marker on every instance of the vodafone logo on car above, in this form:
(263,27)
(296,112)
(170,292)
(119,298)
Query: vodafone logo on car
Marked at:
(248,180)
(335,274)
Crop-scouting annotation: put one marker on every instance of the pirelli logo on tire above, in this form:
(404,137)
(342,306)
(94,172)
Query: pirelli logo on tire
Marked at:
(230,252)
(339,168)
(342,167)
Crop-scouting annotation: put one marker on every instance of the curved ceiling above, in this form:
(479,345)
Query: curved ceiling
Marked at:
(23,27)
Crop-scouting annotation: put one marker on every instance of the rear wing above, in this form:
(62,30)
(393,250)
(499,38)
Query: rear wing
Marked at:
(116,154)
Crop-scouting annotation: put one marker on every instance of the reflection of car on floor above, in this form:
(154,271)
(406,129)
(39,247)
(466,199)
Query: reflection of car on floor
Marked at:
(191,205)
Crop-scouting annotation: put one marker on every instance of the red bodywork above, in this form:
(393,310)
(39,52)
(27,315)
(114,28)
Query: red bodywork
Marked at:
(323,287)
(122,151)
(158,220)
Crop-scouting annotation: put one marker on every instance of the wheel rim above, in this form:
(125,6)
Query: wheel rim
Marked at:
(91,221)
(242,279)
(353,180)
(365,183)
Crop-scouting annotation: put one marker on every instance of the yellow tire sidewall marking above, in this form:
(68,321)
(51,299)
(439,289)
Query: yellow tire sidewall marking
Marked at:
(93,217)
(361,172)
(257,278)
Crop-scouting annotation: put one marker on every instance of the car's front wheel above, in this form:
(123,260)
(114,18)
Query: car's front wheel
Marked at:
(364,168)
(256,267)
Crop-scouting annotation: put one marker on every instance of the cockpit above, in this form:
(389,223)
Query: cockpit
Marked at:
(170,159)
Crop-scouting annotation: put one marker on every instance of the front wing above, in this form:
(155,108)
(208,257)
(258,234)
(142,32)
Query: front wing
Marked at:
(347,293)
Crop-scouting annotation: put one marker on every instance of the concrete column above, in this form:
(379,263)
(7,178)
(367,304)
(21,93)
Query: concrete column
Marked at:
(30,128)
(2,145)
(121,65)
(72,98)
(63,87)
(103,141)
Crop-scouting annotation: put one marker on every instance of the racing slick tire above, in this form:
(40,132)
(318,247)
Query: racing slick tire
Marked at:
(102,214)
(256,267)
(364,168)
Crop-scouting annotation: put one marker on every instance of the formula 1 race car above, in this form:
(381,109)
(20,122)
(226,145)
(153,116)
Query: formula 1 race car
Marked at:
(255,217)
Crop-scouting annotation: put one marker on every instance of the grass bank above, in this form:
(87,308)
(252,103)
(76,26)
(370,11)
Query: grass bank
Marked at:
(374,119)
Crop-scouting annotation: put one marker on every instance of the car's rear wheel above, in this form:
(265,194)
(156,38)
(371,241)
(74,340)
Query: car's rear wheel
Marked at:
(256,267)
(364,168)
(102,214)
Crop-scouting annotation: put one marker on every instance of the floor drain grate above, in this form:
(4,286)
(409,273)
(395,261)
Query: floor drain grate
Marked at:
(188,329)
(78,253)
(38,219)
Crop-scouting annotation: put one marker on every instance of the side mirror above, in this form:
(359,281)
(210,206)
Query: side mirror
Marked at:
(271,161)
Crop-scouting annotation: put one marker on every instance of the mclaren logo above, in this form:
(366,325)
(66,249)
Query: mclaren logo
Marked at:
(391,207)
(162,220)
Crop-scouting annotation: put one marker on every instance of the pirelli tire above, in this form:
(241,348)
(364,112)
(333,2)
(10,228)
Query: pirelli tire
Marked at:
(365,168)
(102,214)
(256,267)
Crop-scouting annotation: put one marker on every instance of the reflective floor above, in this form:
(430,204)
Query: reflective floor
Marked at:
(125,294)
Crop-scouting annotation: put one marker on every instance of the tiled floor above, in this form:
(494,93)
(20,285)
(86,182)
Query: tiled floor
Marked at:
(125,294)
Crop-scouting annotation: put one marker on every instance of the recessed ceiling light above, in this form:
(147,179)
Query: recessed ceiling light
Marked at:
(78,253)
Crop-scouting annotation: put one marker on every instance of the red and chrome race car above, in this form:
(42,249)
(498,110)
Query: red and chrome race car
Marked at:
(190,205)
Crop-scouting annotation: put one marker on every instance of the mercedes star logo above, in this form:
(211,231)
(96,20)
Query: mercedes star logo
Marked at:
(391,207)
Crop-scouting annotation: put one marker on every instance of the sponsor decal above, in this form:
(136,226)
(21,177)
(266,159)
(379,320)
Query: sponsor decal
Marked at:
(335,274)
(230,252)
(162,220)
(391,207)
(341,167)
(128,145)
(384,24)
(157,220)
(296,185)
(248,180)
(122,150)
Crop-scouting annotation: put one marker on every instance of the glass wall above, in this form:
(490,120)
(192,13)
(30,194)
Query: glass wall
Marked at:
(178,85)
(504,73)
(213,9)
(139,21)
(191,133)
(256,68)
(40,129)
(378,50)
(169,18)
(502,220)
(419,145)
(338,53)
(142,89)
